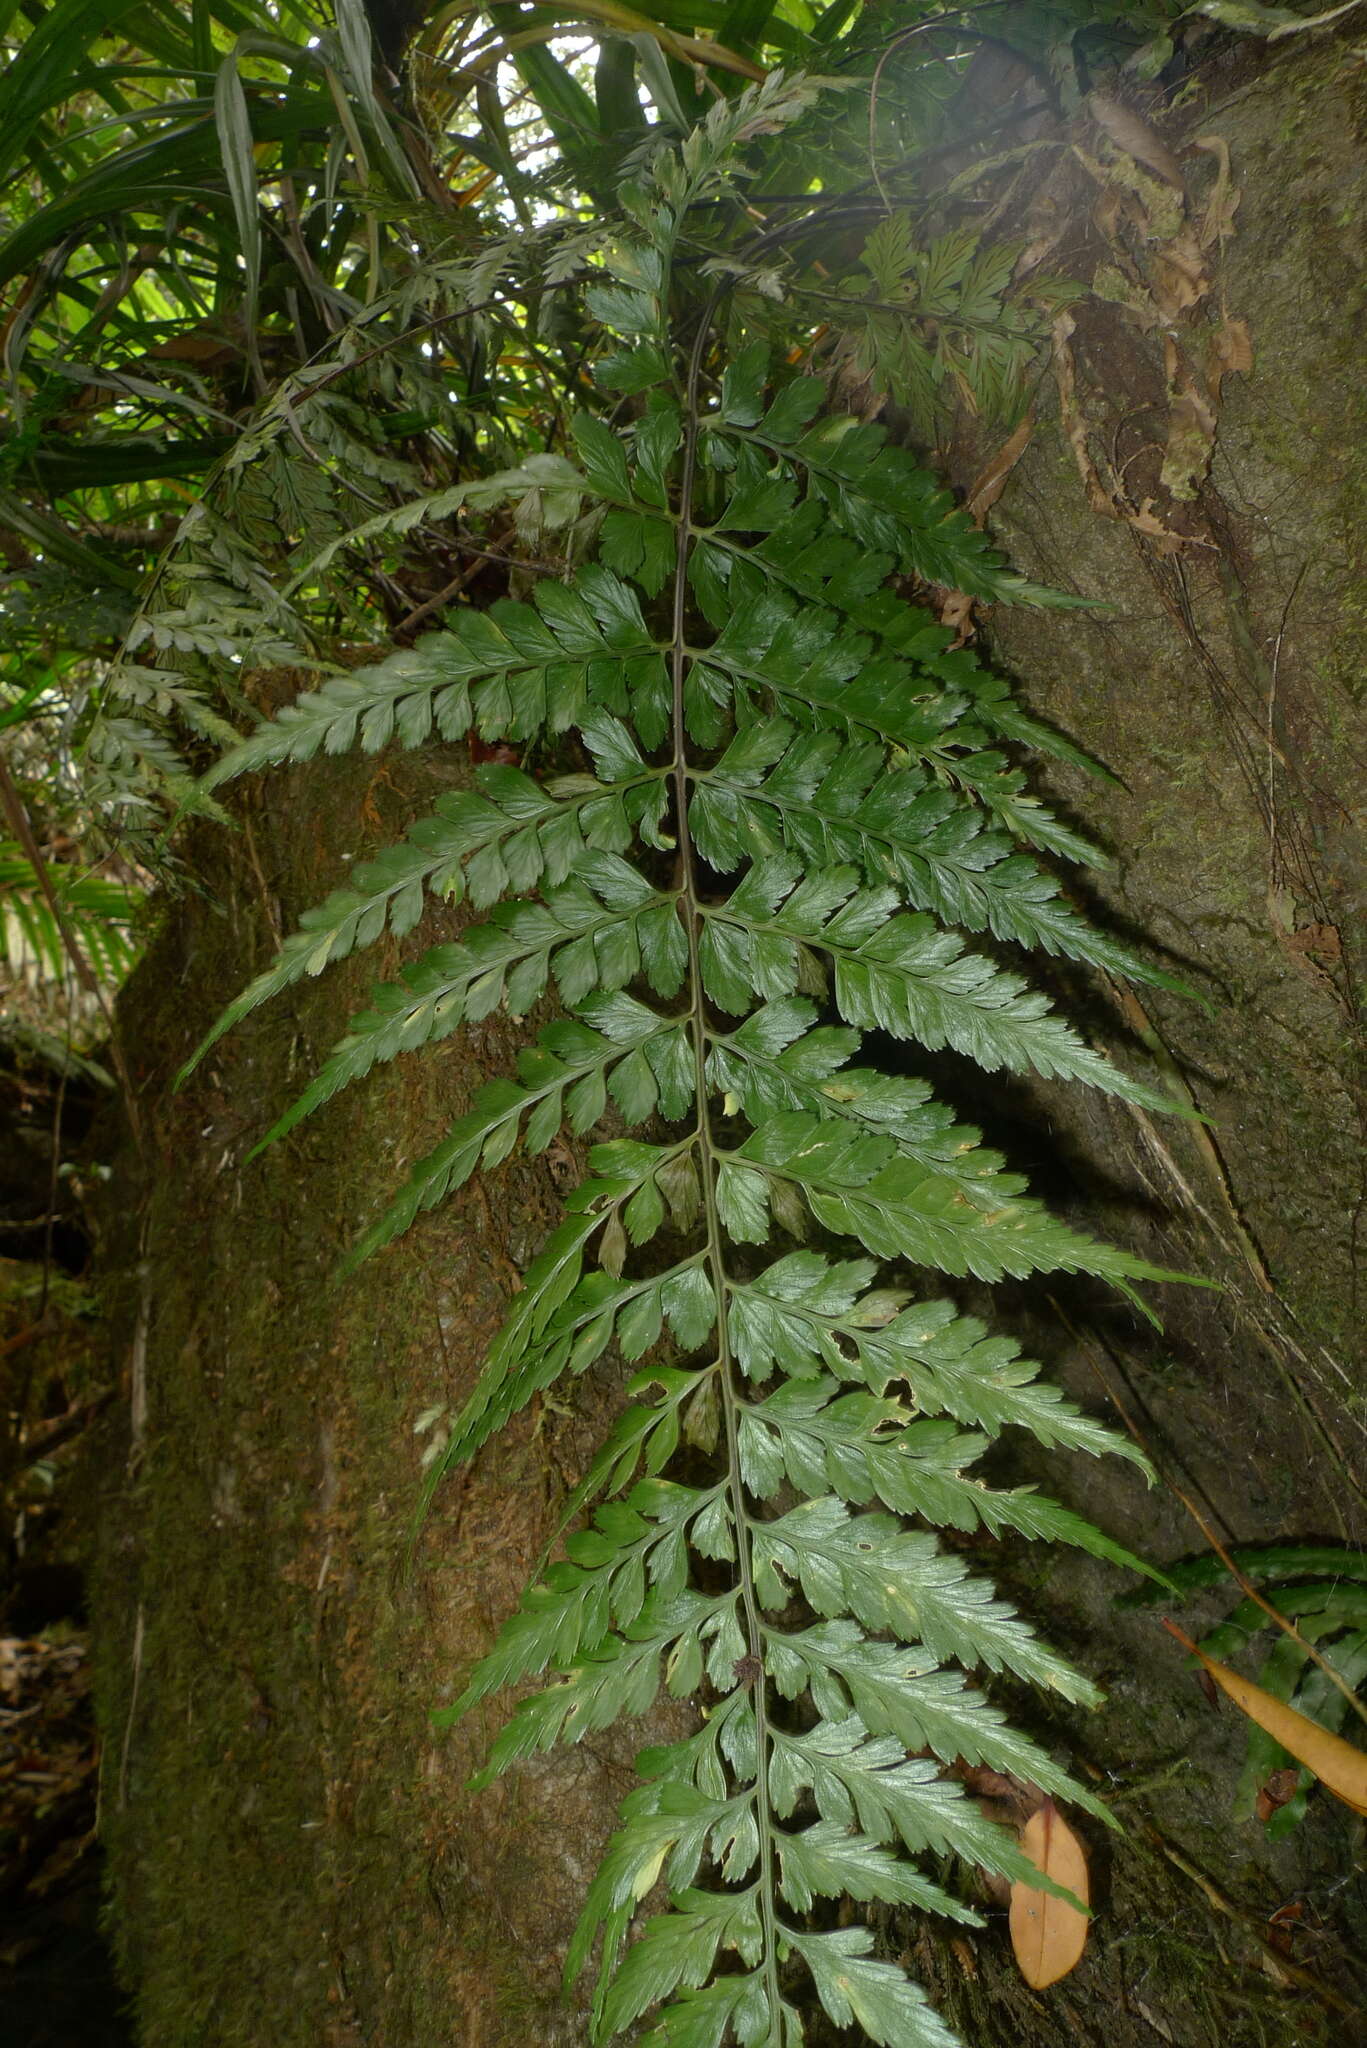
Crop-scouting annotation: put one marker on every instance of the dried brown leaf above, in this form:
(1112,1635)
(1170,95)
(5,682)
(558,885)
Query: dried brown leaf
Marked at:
(1131,132)
(612,1246)
(990,481)
(1191,430)
(955,611)
(1181,277)
(1047,1934)
(1280,1787)
(1340,1768)
(1110,504)
(1217,220)
(1229,353)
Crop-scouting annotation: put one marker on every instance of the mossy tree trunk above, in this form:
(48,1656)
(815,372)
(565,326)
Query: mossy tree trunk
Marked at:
(293,1856)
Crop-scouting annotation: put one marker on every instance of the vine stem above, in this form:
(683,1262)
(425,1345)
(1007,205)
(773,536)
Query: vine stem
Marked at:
(699,1031)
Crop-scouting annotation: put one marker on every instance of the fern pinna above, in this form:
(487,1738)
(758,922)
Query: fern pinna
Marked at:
(797,810)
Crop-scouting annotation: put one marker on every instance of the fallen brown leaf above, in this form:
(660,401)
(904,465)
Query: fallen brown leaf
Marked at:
(955,611)
(1229,354)
(1340,1768)
(1191,430)
(1180,276)
(1110,503)
(1323,942)
(1217,221)
(1131,132)
(1047,1934)
(991,479)
(1280,1787)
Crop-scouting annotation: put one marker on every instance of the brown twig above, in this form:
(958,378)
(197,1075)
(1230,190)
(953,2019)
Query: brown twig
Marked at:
(1273,1960)
(63,1428)
(28,1335)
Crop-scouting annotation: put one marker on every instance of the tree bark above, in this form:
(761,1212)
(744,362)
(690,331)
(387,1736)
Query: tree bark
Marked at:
(294,1858)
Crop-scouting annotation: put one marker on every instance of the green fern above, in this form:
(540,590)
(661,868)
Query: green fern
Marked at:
(100,918)
(797,811)
(946,323)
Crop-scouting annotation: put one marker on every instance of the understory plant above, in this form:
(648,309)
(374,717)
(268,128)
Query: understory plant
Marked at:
(772,873)
(1321,1590)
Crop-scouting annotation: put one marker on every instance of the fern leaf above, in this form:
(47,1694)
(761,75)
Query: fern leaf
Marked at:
(889,1577)
(829,803)
(509,833)
(771,1062)
(644,1065)
(900,1690)
(555,1321)
(864,1448)
(621,1678)
(639,1543)
(587,936)
(700,2017)
(880,1998)
(893,972)
(511,671)
(829,1860)
(868,1781)
(681,1947)
(887,503)
(805,1313)
(856,1184)
(821,777)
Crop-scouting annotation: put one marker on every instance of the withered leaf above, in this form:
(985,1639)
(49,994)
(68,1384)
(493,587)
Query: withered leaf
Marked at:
(1280,1787)
(612,1246)
(1191,433)
(991,479)
(1047,1934)
(1217,221)
(1131,132)
(1230,353)
(1180,276)
(1340,1768)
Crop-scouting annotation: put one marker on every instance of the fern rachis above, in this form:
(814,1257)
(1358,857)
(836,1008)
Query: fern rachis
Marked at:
(788,810)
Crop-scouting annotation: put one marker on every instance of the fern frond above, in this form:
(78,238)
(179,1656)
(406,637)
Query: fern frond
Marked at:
(813,784)
(697,1632)
(829,802)
(641,1062)
(804,1313)
(904,1692)
(511,833)
(876,494)
(774,653)
(889,1577)
(100,917)
(816,1436)
(877,1996)
(510,672)
(634,1545)
(869,1780)
(858,1185)
(600,929)
(774,1061)
(892,972)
